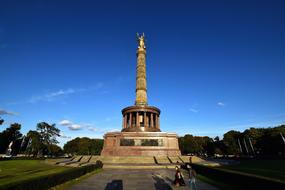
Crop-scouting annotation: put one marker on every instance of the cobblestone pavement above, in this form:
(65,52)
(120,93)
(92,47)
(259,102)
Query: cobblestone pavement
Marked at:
(135,179)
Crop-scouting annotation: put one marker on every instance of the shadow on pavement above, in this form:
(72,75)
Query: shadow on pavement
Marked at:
(114,185)
(160,183)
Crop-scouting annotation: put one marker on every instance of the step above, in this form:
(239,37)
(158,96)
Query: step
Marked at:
(138,166)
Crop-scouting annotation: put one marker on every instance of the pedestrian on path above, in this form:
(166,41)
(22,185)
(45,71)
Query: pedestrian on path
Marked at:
(192,177)
(190,159)
(178,181)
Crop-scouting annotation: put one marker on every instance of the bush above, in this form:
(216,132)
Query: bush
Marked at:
(48,181)
(239,180)
(21,158)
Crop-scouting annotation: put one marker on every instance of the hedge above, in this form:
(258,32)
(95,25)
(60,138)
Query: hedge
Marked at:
(21,158)
(239,180)
(48,181)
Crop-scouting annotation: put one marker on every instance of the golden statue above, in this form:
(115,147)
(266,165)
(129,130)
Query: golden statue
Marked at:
(141,41)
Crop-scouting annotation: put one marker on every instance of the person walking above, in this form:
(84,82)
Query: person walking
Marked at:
(192,177)
(178,181)
(190,159)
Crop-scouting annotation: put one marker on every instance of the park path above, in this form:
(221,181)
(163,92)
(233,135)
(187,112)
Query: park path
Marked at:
(134,179)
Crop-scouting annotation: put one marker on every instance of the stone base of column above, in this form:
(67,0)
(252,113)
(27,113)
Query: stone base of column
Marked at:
(140,144)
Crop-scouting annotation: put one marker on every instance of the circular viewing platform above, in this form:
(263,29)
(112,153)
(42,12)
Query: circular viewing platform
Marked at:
(141,119)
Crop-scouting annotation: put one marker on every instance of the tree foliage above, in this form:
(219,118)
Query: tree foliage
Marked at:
(48,133)
(34,145)
(1,121)
(253,141)
(56,150)
(84,146)
(10,134)
(194,144)
(43,140)
(230,141)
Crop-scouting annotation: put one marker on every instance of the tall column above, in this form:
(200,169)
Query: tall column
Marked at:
(137,120)
(125,121)
(156,121)
(131,119)
(141,87)
(144,119)
(151,120)
(147,120)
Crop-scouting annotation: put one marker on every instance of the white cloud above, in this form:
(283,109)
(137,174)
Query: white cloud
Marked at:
(221,104)
(62,93)
(75,127)
(72,126)
(193,110)
(52,95)
(87,126)
(5,112)
(93,129)
(65,122)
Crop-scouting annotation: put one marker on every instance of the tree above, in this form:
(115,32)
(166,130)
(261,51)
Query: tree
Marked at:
(10,134)
(48,134)
(1,121)
(84,146)
(271,142)
(231,142)
(36,147)
(217,139)
(56,150)
(194,144)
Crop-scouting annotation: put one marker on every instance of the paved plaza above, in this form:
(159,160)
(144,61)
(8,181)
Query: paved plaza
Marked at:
(135,179)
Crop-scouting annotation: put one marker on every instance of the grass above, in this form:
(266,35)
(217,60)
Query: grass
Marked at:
(274,169)
(218,184)
(18,170)
(271,169)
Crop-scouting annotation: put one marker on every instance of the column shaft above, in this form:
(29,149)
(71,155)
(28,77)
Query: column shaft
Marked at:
(158,122)
(125,121)
(131,119)
(156,119)
(144,119)
(137,120)
(147,121)
(151,120)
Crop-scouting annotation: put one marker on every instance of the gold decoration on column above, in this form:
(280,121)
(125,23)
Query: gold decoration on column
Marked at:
(141,87)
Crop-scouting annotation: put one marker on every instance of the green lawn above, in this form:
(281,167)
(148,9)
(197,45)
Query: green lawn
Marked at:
(17,170)
(219,184)
(266,168)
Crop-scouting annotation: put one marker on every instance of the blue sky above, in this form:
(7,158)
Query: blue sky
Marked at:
(212,66)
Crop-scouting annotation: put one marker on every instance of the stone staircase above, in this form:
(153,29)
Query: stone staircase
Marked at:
(131,162)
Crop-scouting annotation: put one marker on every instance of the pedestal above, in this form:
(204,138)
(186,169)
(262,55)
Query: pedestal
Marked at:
(140,144)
